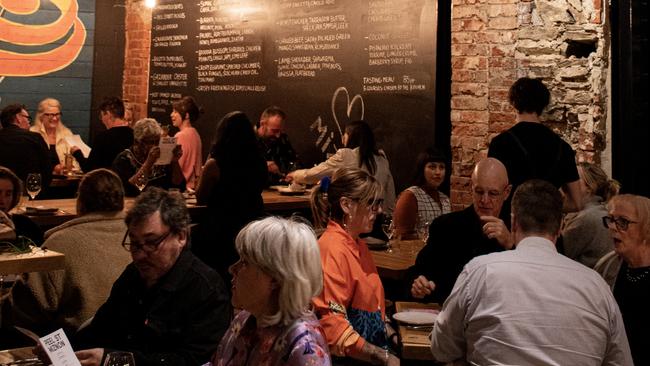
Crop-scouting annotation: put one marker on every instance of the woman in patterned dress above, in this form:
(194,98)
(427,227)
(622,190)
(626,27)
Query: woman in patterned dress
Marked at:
(421,203)
(278,273)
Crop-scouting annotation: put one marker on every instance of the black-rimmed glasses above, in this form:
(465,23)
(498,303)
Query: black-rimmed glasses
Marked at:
(621,222)
(148,246)
(29,118)
(52,115)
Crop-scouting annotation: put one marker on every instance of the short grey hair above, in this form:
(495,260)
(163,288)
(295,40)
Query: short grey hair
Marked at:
(286,250)
(146,127)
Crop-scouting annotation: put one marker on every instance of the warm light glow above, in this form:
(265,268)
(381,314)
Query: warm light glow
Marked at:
(150,3)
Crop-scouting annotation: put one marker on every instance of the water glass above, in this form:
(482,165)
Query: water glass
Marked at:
(33,184)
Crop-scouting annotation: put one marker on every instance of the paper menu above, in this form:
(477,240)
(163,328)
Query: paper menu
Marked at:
(75,140)
(167,145)
(58,348)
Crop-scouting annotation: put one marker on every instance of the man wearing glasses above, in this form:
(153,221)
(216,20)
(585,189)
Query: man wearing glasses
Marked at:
(457,237)
(531,305)
(167,307)
(22,151)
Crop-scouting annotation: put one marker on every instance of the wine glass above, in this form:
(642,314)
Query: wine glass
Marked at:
(140,181)
(33,184)
(388,229)
(119,359)
(423,231)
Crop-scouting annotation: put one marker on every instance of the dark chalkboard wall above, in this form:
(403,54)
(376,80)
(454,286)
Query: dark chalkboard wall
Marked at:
(325,62)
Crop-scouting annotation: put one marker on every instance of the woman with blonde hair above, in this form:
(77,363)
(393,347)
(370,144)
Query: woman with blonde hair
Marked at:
(584,238)
(277,274)
(48,123)
(351,306)
(628,221)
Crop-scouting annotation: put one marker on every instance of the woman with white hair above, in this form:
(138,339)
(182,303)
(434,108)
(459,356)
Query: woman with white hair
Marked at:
(136,165)
(278,273)
(48,123)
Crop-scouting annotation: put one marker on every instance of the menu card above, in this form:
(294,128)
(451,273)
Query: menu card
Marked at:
(58,348)
(167,145)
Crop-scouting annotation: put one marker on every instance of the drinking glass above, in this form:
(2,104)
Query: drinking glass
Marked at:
(119,359)
(33,184)
(423,232)
(141,182)
(388,229)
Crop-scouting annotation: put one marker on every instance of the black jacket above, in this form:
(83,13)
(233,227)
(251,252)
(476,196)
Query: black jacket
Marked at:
(179,321)
(25,152)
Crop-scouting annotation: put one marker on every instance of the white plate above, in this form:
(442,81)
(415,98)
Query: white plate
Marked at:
(416,317)
(287,190)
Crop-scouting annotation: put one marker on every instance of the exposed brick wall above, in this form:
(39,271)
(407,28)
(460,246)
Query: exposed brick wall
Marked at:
(136,57)
(494,42)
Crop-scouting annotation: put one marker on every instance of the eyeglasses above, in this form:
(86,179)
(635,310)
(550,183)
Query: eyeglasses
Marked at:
(52,115)
(29,118)
(148,246)
(375,205)
(621,222)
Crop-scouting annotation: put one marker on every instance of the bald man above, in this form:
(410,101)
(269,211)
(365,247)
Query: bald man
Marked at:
(456,238)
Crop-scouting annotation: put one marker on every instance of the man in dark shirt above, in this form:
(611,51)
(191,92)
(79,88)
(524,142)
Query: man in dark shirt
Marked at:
(530,150)
(167,307)
(21,150)
(108,144)
(274,144)
(457,237)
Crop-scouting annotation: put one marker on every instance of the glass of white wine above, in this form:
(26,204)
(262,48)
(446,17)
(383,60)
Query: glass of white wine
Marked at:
(33,185)
(388,229)
(119,359)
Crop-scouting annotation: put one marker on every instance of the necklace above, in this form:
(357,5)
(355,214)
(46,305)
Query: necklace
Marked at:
(636,274)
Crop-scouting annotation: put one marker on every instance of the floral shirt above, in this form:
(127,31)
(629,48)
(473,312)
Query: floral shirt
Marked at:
(301,344)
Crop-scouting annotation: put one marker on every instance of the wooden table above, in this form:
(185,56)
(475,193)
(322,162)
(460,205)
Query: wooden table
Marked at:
(36,261)
(274,203)
(18,354)
(415,342)
(395,264)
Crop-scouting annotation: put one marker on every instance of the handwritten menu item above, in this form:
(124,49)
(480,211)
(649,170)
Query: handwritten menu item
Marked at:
(58,349)
(167,145)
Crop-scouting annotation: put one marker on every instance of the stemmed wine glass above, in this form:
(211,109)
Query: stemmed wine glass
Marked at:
(119,359)
(388,229)
(33,184)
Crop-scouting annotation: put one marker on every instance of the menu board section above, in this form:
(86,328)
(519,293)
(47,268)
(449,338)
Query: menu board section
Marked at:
(325,62)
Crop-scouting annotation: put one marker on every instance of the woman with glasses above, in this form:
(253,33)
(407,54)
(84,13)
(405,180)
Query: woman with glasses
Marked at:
(46,301)
(49,124)
(136,166)
(351,306)
(628,221)
(277,275)
(584,238)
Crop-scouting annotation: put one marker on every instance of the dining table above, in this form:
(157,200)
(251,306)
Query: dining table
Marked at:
(394,261)
(35,260)
(49,213)
(19,356)
(414,339)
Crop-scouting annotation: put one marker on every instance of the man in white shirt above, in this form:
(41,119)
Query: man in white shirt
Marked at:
(531,305)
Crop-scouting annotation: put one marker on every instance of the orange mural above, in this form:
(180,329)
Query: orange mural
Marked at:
(40,63)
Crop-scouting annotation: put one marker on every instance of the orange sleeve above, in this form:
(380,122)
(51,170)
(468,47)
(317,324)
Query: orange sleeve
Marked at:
(406,214)
(330,306)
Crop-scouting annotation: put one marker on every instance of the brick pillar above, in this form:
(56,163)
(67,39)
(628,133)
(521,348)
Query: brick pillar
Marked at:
(136,57)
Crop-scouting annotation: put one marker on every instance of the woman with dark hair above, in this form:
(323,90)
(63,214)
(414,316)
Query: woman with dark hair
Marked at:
(13,225)
(421,203)
(231,186)
(359,151)
(351,305)
(46,301)
(184,113)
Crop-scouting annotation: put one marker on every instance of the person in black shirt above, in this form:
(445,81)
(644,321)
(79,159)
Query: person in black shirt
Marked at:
(21,150)
(530,150)
(167,307)
(457,237)
(274,144)
(108,144)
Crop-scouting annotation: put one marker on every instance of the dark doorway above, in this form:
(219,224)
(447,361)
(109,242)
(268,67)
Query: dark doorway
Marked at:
(630,99)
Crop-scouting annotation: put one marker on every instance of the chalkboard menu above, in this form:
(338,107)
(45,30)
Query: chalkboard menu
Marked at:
(325,62)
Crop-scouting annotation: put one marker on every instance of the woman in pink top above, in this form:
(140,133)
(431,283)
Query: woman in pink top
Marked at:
(185,112)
